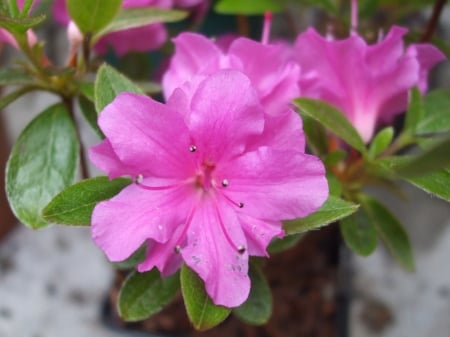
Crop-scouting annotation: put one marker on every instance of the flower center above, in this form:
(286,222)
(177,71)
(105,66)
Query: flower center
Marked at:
(204,178)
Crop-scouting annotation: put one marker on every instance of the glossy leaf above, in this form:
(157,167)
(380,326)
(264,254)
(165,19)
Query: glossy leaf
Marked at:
(109,84)
(74,205)
(332,119)
(90,113)
(202,312)
(359,233)
(136,17)
(437,111)
(144,294)
(381,141)
(248,7)
(92,15)
(332,210)
(258,307)
(415,111)
(390,230)
(43,162)
(436,183)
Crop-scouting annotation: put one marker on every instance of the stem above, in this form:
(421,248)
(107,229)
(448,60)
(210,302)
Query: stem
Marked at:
(354,16)
(83,162)
(432,24)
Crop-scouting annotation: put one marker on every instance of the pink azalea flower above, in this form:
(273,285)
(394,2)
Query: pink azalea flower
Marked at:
(212,184)
(140,39)
(267,66)
(369,83)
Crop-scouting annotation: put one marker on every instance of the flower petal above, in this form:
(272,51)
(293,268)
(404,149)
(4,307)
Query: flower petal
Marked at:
(259,233)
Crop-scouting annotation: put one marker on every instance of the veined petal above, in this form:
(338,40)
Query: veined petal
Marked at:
(210,254)
(259,233)
(146,134)
(274,184)
(225,112)
(122,224)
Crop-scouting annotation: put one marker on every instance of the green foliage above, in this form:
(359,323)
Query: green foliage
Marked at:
(93,15)
(415,111)
(109,84)
(332,119)
(144,294)
(5,100)
(74,205)
(202,312)
(15,76)
(390,231)
(316,135)
(280,245)
(18,24)
(258,307)
(436,183)
(248,7)
(380,142)
(332,210)
(137,17)
(359,234)
(437,110)
(42,163)
(90,114)
(135,258)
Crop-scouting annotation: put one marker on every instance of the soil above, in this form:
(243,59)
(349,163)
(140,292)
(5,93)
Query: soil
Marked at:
(307,298)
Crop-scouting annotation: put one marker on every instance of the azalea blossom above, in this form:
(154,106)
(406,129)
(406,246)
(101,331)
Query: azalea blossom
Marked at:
(267,65)
(212,181)
(368,83)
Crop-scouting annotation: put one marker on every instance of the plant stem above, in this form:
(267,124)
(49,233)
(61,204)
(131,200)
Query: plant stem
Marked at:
(432,24)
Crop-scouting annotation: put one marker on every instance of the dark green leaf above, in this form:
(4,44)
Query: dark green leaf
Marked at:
(144,294)
(436,183)
(280,245)
(137,17)
(334,185)
(333,119)
(316,136)
(437,112)
(359,234)
(390,230)
(89,112)
(12,96)
(109,84)
(20,24)
(433,158)
(88,90)
(248,7)
(332,210)
(75,204)
(202,312)
(136,258)
(92,15)
(415,111)
(381,141)
(15,76)
(42,163)
(258,307)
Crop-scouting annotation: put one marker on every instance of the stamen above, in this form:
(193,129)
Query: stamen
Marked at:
(192,148)
(225,183)
(140,178)
(177,248)
(240,249)
(354,16)
(266,27)
(238,204)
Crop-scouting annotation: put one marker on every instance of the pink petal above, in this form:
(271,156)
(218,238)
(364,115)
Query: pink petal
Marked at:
(122,224)
(259,233)
(142,133)
(225,112)
(222,268)
(274,184)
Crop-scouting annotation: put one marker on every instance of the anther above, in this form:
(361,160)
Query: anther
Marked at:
(241,249)
(225,183)
(192,148)
(139,179)
(240,205)
(177,249)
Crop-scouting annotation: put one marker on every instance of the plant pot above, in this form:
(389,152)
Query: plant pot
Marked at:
(310,297)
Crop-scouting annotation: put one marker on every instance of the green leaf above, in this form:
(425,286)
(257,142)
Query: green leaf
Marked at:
(332,210)
(92,15)
(42,163)
(436,183)
(433,158)
(258,307)
(248,7)
(359,234)
(109,84)
(380,142)
(89,112)
(437,111)
(12,96)
(331,118)
(144,294)
(138,17)
(135,258)
(20,24)
(316,136)
(87,89)
(415,111)
(390,230)
(74,205)
(280,245)
(334,185)
(202,312)
(15,76)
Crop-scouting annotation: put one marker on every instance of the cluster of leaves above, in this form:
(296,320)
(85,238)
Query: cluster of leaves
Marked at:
(42,169)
